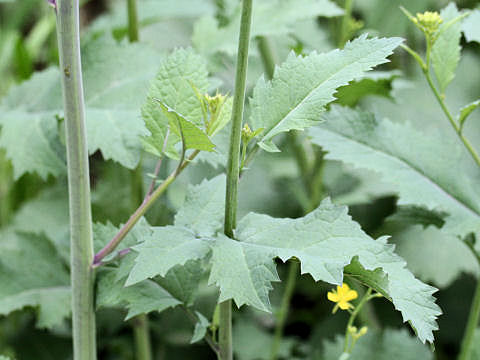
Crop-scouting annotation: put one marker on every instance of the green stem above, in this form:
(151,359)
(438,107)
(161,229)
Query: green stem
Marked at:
(82,275)
(455,126)
(233,170)
(142,338)
(267,56)
(472,324)
(366,297)
(344,34)
(132,20)
(285,305)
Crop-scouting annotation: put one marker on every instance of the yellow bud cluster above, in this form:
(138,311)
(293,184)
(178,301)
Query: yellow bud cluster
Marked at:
(428,22)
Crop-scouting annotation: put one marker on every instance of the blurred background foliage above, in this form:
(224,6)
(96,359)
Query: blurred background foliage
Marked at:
(272,185)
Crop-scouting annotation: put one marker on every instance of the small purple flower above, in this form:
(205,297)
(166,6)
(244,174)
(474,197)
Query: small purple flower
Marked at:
(53,3)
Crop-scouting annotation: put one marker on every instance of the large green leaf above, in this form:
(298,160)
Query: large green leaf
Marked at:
(210,37)
(325,241)
(46,288)
(446,49)
(116,80)
(419,165)
(303,86)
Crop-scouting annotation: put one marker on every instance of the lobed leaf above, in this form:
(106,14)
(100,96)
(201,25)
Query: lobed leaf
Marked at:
(418,165)
(446,49)
(303,86)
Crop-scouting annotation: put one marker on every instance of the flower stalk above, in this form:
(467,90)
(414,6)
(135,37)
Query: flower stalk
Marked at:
(233,169)
(82,275)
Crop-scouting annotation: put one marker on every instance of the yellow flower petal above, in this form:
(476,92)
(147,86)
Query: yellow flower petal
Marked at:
(332,296)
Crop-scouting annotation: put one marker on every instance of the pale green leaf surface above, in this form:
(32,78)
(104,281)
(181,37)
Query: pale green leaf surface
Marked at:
(446,49)
(303,86)
(389,344)
(204,207)
(47,215)
(141,298)
(114,90)
(174,85)
(419,165)
(424,248)
(163,249)
(471,26)
(209,37)
(243,273)
(46,288)
(476,345)
(326,241)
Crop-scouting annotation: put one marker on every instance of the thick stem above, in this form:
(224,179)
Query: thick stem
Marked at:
(472,324)
(82,275)
(283,311)
(142,338)
(225,328)
(132,20)
(142,209)
(345,26)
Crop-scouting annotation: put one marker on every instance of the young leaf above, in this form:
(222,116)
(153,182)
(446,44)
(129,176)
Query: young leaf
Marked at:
(178,80)
(466,111)
(303,86)
(419,165)
(446,49)
(200,328)
(46,289)
(471,26)
(192,136)
(209,37)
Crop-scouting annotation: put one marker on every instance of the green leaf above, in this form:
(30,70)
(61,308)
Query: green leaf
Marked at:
(116,78)
(142,298)
(446,49)
(209,37)
(417,164)
(466,111)
(204,207)
(163,249)
(243,273)
(47,215)
(303,86)
(192,137)
(379,83)
(471,26)
(46,289)
(179,77)
(200,328)
(375,345)
(325,241)
(475,355)
(29,110)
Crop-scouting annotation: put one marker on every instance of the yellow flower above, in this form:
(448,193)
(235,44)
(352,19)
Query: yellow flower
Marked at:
(342,296)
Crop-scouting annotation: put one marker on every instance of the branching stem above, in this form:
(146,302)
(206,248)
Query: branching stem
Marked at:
(141,210)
